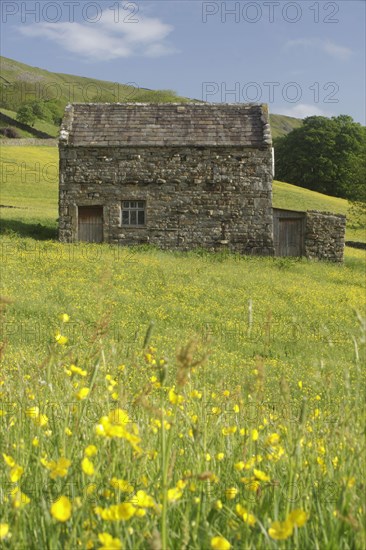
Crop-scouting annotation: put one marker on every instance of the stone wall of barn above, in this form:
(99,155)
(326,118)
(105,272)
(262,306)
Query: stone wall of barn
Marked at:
(210,197)
(325,236)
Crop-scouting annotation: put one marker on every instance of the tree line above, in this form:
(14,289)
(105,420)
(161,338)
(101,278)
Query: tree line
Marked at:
(327,155)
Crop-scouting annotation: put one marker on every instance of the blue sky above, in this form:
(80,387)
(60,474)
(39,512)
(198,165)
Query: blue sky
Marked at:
(302,58)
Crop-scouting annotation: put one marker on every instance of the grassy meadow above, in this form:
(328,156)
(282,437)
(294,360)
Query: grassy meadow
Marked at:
(160,400)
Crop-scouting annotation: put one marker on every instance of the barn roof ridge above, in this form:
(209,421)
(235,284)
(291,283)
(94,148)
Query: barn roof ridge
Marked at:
(166,124)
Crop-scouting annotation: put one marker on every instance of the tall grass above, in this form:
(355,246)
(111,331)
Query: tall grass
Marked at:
(181,400)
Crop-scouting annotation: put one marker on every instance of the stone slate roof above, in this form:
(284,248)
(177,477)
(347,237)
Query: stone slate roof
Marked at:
(159,124)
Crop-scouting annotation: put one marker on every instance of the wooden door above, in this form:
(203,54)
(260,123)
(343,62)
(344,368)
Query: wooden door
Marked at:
(90,224)
(290,237)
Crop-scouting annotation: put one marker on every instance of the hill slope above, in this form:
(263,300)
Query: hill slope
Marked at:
(18,78)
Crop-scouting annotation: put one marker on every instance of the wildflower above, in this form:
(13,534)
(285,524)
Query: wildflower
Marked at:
(58,468)
(122,485)
(145,480)
(19,499)
(68,431)
(220,543)
(143,500)
(218,505)
(181,484)
(140,512)
(90,450)
(349,482)
(108,542)
(16,473)
(231,493)
(251,483)
(114,425)
(64,318)
(236,408)
(255,435)
(239,466)
(78,370)
(175,398)
(119,416)
(61,509)
(196,394)
(116,512)
(60,339)
(298,517)
(273,440)
(281,530)
(174,494)
(276,453)
(220,456)
(246,516)
(261,475)
(228,430)
(4,531)
(83,393)
(9,460)
(36,416)
(91,488)
(87,467)
(35,441)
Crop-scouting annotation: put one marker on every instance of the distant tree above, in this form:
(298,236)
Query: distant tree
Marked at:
(25,115)
(40,110)
(325,155)
(55,112)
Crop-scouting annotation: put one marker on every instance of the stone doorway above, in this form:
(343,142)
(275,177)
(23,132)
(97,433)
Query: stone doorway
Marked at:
(90,224)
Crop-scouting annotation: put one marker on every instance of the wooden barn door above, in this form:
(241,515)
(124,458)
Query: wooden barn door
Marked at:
(90,225)
(290,237)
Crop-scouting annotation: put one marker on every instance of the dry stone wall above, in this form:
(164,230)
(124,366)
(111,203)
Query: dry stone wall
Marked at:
(325,236)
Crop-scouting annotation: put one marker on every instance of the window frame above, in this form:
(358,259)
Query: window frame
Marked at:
(130,210)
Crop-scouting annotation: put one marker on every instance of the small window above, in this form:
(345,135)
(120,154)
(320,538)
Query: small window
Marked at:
(133,212)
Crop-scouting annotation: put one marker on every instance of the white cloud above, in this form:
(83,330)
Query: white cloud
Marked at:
(302,110)
(331,48)
(340,52)
(107,39)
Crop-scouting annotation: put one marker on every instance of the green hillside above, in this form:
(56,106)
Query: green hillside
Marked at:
(41,125)
(30,183)
(282,125)
(19,80)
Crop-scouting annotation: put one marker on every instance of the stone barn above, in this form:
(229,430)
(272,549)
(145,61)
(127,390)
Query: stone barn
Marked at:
(177,176)
(181,176)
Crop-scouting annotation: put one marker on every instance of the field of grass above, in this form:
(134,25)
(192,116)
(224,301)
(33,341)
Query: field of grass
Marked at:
(160,400)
